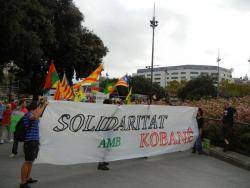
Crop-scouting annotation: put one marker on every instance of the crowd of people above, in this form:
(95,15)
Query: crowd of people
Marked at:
(16,111)
(5,120)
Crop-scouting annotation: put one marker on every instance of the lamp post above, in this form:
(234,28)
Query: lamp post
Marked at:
(166,71)
(249,69)
(153,24)
(218,84)
(10,72)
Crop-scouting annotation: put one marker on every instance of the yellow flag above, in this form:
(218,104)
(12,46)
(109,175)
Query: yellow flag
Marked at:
(128,98)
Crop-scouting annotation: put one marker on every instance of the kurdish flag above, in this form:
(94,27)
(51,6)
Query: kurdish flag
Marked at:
(52,77)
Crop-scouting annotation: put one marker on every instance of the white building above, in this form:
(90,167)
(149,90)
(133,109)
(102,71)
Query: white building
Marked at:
(163,75)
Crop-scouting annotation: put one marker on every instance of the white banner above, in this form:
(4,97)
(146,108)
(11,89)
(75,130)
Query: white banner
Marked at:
(74,133)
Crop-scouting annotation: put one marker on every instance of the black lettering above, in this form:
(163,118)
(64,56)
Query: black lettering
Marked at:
(131,122)
(103,121)
(162,118)
(153,122)
(145,118)
(122,124)
(112,123)
(64,124)
(72,127)
(89,119)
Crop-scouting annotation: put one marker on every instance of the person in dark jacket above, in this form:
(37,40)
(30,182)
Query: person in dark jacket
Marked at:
(228,121)
(200,121)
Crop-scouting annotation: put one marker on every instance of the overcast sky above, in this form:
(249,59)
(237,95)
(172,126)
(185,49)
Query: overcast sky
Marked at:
(189,32)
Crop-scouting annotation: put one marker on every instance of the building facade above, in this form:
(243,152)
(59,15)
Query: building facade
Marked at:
(163,75)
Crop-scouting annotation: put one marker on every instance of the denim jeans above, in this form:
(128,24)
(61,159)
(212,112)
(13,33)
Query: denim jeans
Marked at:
(197,144)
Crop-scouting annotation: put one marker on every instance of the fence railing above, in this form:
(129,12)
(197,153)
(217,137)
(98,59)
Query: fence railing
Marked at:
(219,122)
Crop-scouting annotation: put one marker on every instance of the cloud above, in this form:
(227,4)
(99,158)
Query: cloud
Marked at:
(189,32)
(126,31)
(241,5)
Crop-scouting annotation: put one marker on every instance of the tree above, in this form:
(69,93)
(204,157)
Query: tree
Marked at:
(174,87)
(198,88)
(35,31)
(234,90)
(142,85)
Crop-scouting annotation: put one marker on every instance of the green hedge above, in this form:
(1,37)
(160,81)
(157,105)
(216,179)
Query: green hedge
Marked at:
(239,138)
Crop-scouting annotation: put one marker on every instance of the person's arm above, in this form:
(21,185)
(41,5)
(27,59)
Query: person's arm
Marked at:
(38,112)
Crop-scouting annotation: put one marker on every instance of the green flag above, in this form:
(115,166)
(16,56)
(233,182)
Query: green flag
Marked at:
(110,88)
(15,118)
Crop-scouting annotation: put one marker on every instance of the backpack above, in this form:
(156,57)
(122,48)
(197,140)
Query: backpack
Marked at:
(20,131)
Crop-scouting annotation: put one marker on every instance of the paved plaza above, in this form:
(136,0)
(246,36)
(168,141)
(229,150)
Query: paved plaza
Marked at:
(175,170)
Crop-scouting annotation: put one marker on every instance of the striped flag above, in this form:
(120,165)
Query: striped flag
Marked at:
(58,94)
(122,81)
(65,89)
(92,78)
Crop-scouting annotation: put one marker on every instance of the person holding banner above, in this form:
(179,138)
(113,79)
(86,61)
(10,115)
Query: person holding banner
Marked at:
(31,141)
(200,121)
(104,165)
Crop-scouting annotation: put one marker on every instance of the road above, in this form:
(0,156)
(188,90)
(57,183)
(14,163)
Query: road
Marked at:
(175,170)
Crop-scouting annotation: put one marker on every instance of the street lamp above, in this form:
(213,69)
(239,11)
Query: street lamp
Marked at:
(166,71)
(218,85)
(153,24)
(249,69)
(10,67)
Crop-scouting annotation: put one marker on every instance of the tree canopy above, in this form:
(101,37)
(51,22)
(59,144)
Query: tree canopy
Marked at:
(142,85)
(234,90)
(202,86)
(32,32)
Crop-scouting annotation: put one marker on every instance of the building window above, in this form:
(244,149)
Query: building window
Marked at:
(157,74)
(174,73)
(183,72)
(157,78)
(214,74)
(194,73)
(204,73)
(183,77)
(148,74)
(167,77)
(192,77)
(174,77)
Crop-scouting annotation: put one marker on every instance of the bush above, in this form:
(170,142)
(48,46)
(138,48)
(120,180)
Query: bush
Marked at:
(239,138)
(245,142)
(213,133)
